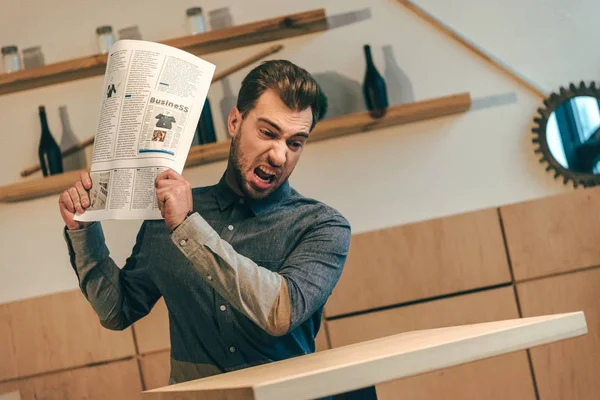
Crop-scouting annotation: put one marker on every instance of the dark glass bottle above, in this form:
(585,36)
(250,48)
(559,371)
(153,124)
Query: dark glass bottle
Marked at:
(374,88)
(206,127)
(49,152)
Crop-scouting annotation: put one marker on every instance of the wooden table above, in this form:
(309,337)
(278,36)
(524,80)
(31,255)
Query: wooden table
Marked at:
(366,364)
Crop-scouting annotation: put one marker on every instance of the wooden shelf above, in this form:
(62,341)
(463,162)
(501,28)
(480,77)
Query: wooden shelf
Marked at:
(282,27)
(213,152)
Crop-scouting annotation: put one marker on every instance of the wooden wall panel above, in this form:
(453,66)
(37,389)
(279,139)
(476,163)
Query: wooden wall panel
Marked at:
(498,378)
(118,380)
(566,369)
(321,341)
(156,369)
(152,331)
(554,234)
(421,260)
(55,332)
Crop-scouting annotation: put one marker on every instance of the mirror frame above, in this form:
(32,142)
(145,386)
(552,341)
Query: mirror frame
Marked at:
(551,103)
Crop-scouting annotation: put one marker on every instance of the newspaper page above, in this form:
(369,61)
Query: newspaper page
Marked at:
(152,98)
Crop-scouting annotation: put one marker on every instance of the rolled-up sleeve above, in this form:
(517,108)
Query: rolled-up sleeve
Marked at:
(276,301)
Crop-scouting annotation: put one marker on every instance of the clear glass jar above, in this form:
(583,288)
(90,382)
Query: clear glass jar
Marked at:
(11,61)
(33,57)
(130,33)
(195,20)
(105,38)
(220,18)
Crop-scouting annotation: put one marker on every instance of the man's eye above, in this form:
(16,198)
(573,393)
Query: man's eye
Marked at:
(267,133)
(296,145)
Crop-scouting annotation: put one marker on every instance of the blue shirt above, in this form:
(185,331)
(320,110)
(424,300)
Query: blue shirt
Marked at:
(244,280)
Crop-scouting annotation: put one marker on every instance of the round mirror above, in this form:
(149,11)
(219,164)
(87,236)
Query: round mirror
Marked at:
(568,134)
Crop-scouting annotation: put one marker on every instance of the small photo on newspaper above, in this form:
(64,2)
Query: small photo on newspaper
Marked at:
(152,97)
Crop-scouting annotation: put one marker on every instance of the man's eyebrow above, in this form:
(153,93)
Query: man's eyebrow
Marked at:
(274,125)
(303,134)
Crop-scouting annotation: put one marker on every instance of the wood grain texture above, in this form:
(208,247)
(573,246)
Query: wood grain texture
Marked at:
(421,260)
(553,234)
(395,115)
(152,331)
(156,369)
(281,27)
(114,381)
(213,152)
(55,332)
(39,187)
(569,369)
(347,368)
(505,377)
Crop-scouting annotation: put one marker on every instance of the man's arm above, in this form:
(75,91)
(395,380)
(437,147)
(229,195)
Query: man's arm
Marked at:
(119,296)
(276,302)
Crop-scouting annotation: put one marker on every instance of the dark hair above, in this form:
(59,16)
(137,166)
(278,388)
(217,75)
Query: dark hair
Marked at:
(295,86)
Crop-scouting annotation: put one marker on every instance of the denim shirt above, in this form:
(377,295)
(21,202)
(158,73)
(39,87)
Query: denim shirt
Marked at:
(244,280)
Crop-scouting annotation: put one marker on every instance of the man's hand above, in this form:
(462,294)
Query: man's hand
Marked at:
(174,195)
(75,199)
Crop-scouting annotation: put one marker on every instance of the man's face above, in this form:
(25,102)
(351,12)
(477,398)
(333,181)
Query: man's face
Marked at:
(266,145)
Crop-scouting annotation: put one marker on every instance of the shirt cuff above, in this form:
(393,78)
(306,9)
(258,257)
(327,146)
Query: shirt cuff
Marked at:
(192,232)
(87,243)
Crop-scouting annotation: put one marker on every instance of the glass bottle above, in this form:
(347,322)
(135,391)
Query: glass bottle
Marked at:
(195,20)
(374,88)
(206,128)
(105,38)
(11,61)
(48,151)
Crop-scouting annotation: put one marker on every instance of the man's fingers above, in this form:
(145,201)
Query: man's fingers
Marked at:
(160,197)
(84,177)
(65,200)
(163,183)
(75,198)
(83,196)
(168,174)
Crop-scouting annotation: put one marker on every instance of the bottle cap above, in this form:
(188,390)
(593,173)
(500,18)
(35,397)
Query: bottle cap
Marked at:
(9,49)
(104,29)
(193,11)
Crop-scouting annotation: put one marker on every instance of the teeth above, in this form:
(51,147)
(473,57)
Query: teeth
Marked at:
(263,180)
(266,170)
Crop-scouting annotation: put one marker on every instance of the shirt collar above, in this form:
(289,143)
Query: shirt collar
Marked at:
(225,197)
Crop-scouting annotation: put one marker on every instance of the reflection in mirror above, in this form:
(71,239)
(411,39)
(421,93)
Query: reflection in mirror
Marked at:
(573,134)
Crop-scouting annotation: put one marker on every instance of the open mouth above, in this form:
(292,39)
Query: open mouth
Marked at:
(264,175)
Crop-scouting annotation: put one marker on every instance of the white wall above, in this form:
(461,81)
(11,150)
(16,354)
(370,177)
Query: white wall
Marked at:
(546,41)
(393,176)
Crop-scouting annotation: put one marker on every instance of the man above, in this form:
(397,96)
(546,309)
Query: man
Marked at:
(245,266)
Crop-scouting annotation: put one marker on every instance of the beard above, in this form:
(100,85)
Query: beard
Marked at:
(239,163)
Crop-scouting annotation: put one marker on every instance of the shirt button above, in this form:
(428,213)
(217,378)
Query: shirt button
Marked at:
(241,201)
(210,278)
(230,227)
(232,349)
(223,307)
(182,242)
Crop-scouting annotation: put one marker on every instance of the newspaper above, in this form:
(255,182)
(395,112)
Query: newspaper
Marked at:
(152,98)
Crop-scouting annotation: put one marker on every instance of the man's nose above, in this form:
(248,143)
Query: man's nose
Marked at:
(278,154)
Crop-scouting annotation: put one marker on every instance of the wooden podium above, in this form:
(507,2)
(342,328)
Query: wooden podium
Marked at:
(363,365)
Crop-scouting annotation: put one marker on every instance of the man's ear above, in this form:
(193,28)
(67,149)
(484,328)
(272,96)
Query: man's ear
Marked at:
(234,121)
